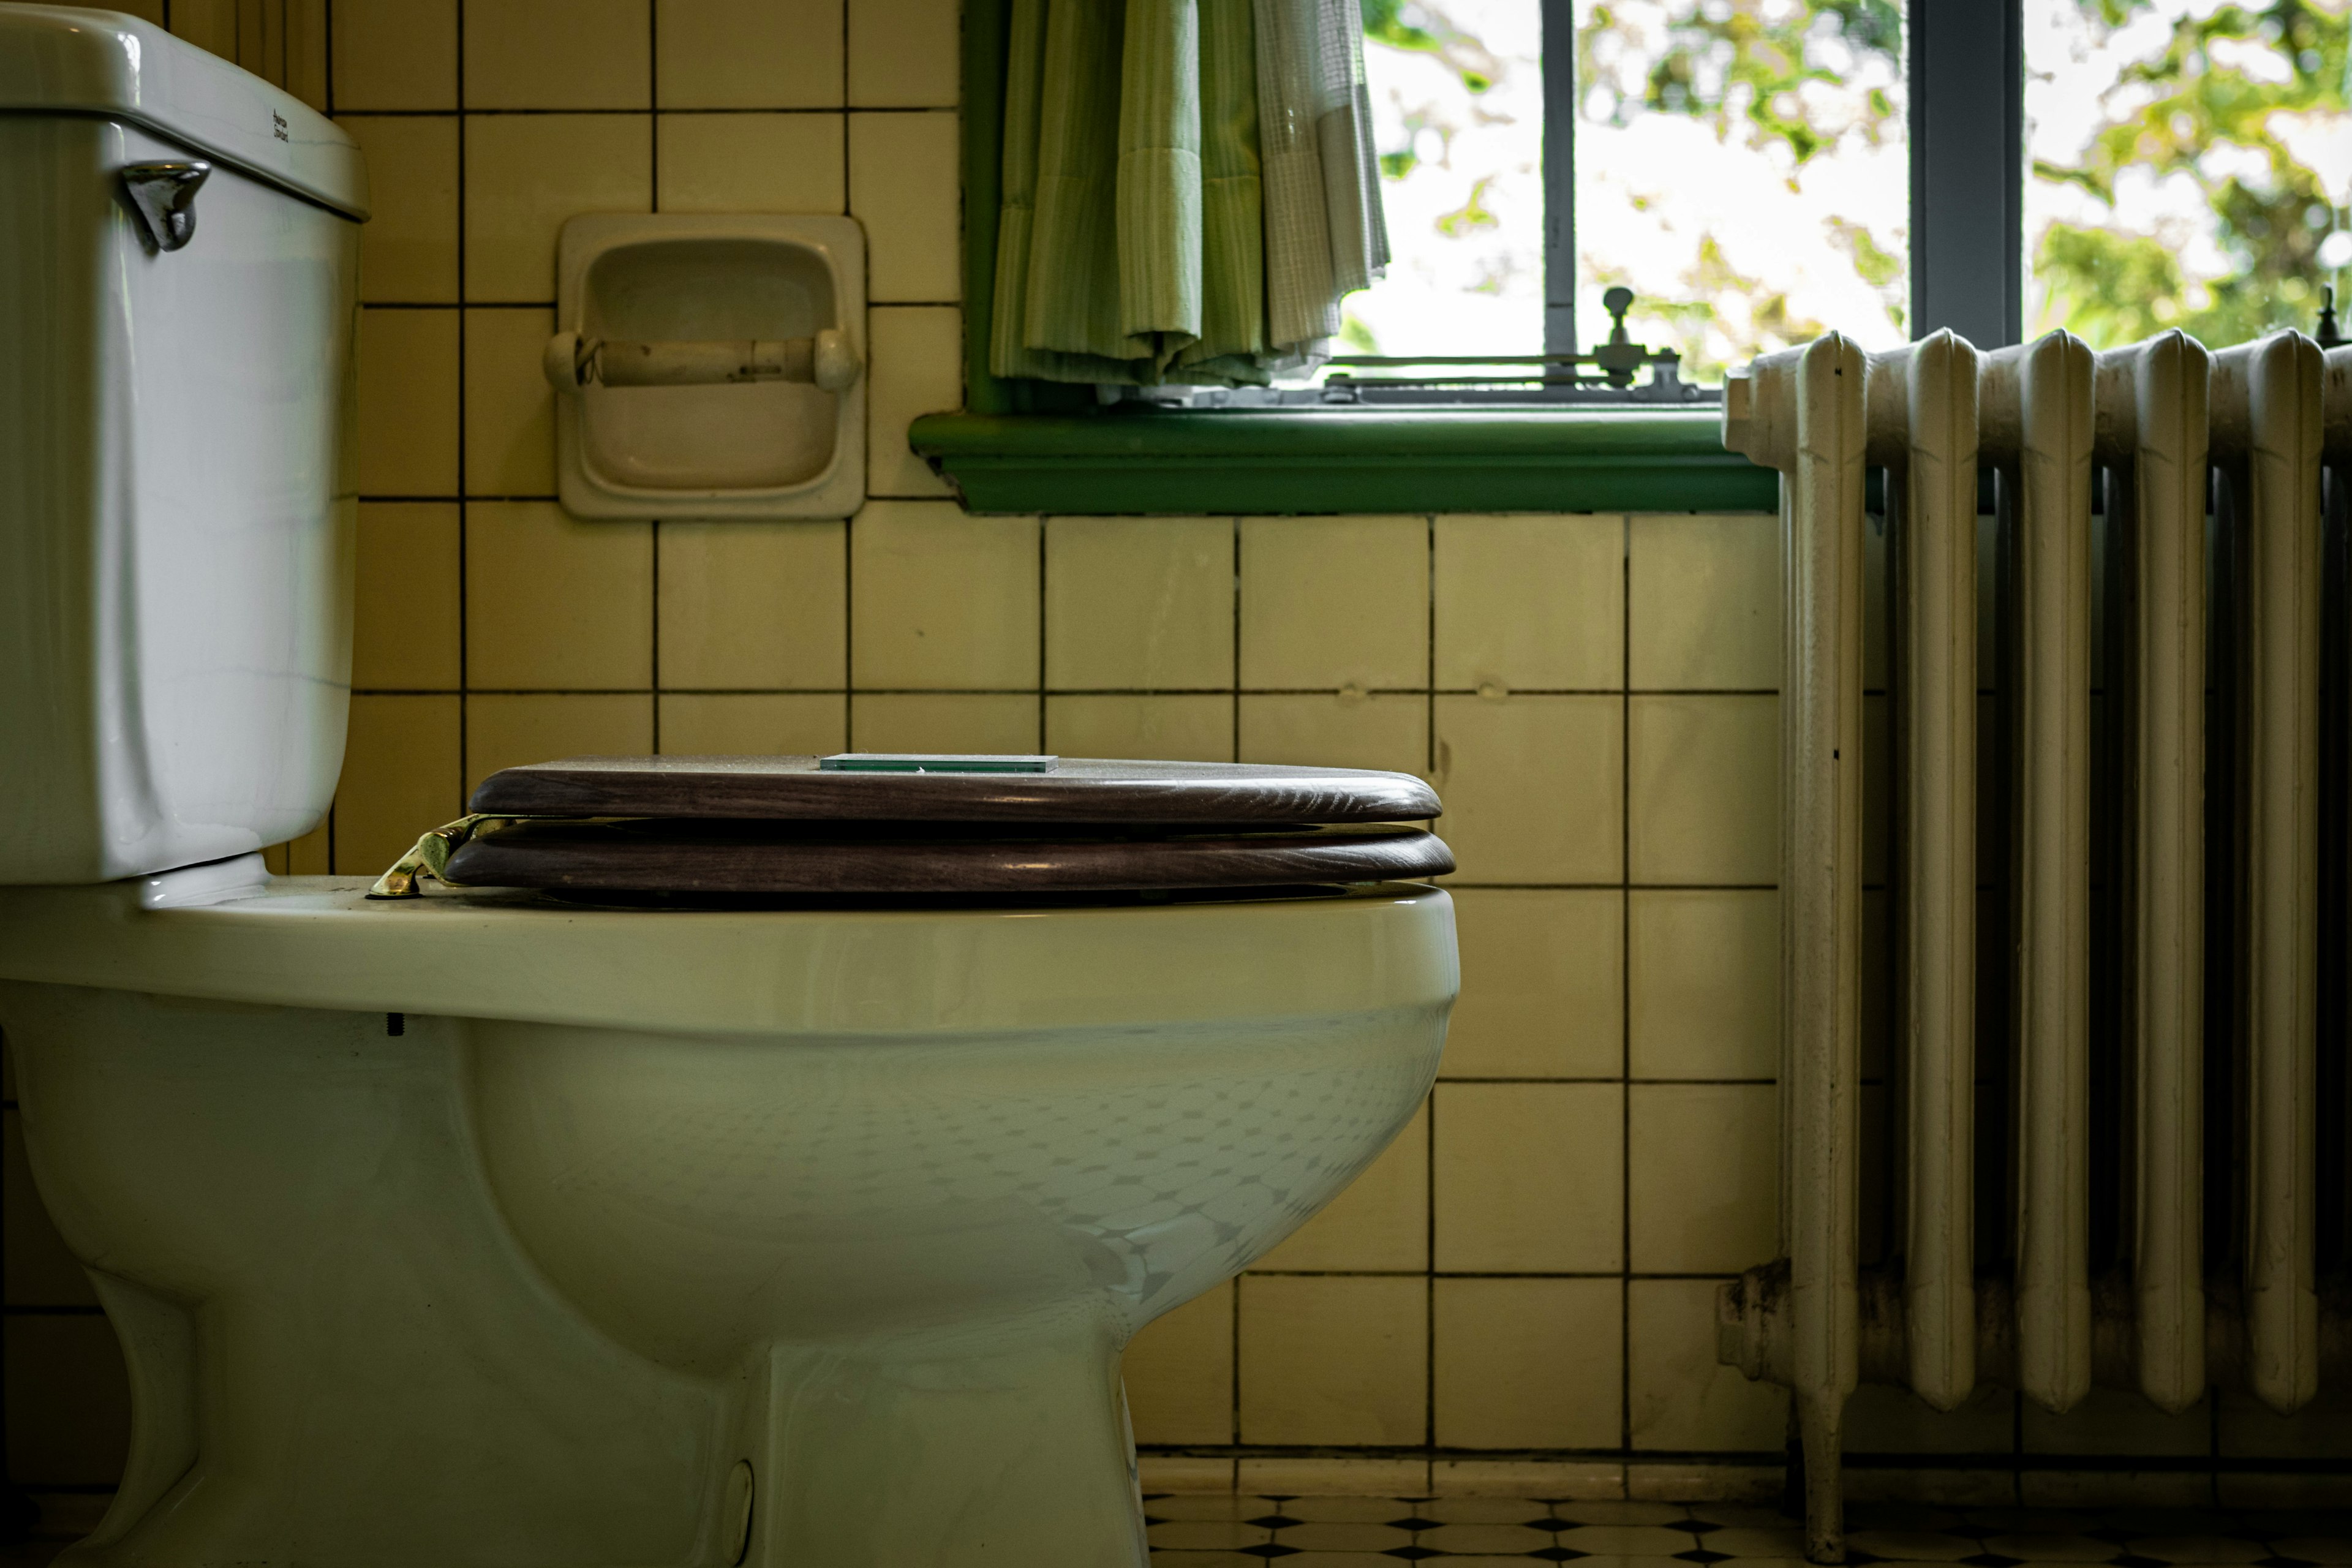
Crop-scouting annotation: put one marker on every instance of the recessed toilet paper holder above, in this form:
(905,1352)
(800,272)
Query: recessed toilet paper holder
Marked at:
(709,366)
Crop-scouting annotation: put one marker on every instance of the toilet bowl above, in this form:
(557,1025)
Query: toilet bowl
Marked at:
(767,1168)
(652,1229)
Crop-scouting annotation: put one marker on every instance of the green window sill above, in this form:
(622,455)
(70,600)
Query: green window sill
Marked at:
(1343,460)
(1032,447)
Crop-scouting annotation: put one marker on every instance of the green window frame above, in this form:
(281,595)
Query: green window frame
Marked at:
(1039,447)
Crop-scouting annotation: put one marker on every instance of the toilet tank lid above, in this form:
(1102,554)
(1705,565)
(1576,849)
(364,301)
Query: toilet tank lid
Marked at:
(64,61)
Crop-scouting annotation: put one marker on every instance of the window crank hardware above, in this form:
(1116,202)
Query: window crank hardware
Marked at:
(165,197)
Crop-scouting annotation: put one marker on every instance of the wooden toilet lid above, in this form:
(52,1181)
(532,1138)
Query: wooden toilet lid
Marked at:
(673,857)
(1076,789)
(786,826)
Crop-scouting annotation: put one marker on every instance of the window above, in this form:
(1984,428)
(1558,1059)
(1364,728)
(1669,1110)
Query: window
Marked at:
(1458,111)
(1741,167)
(2190,166)
(1757,172)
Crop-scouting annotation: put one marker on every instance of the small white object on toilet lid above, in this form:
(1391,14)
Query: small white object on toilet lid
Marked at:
(933,762)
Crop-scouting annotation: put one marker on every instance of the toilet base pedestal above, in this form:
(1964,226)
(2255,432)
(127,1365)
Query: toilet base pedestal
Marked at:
(945,1451)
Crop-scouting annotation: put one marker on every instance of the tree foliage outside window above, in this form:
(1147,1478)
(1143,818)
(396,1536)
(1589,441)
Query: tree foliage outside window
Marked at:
(1457,104)
(2190,162)
(1743,166)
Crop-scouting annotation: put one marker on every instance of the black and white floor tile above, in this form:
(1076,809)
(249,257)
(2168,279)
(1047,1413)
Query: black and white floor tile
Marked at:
(1220,1532)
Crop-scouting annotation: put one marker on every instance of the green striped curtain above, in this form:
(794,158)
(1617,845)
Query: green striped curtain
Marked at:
(1133,242)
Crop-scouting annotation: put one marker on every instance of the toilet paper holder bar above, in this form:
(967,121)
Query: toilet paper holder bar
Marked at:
(828,360)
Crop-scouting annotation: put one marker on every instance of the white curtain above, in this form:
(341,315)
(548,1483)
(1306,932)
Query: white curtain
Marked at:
(1325,234)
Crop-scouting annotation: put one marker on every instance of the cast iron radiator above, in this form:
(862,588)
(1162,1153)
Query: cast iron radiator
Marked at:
(2116,1075)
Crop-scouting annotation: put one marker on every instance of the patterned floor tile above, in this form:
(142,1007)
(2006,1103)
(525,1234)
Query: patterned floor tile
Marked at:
(1907,1517)
(1433,1532)
(1206,1505)
(1783,1540)
(2053,1548)
(2327,1549)
(1208,1534)
(1917,1545)
(2018,1521)
(2164,1521)
(1622,1513)
(1484,1510)
(1344,1535)
(1466,1539)
(1627,1539)
(2325,1524)
(1208,1530)
(1357,1510)
(2199,1549)
(1760,1516)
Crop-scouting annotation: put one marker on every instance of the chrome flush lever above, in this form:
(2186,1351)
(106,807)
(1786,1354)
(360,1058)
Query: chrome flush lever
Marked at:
(164,197)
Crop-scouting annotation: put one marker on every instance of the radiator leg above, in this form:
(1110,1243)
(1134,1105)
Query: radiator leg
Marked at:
(1821,1437)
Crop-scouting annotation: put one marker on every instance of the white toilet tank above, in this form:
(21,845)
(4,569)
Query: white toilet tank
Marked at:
(176,509)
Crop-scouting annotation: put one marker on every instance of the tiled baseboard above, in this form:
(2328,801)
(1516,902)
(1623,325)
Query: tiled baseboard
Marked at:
(1371,1476)
(1581,1480)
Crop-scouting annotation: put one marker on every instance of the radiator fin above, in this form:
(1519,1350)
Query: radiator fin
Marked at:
(1923,427)
(2267,422)
(1809,424)
(2037,414)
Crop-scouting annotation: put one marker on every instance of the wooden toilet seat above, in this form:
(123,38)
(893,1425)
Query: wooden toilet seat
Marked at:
(790,825)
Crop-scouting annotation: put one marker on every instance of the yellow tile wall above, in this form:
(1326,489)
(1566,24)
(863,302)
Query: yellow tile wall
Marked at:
(1529,1270)
(492,626)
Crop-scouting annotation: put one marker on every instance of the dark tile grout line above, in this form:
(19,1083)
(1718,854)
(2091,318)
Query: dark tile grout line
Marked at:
(1234,524)
(327,8)
(1045,624)
(849,525)
(1625,987)
(653,199)
(465,620)
(1429,1158)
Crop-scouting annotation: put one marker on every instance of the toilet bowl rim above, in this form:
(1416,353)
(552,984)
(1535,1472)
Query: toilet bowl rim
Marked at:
(318,942)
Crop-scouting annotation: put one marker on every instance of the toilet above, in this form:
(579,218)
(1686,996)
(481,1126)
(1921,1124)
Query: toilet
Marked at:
(677,1160)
